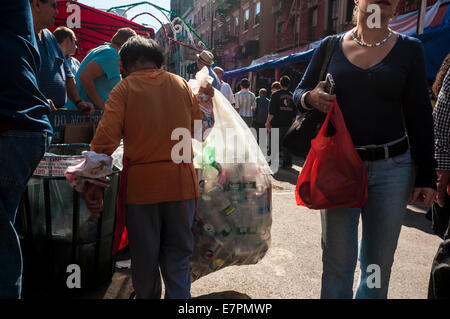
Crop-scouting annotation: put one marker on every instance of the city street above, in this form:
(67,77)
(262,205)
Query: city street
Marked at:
(291,268)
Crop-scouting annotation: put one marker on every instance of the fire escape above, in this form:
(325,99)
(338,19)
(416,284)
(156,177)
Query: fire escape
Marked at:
(287,29)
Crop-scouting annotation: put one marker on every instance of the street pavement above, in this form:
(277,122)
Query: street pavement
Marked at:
(292,266)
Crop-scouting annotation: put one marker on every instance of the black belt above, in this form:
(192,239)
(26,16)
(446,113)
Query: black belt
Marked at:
(375,153)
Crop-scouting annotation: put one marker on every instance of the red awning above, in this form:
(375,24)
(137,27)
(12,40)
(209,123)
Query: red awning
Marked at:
(97,27)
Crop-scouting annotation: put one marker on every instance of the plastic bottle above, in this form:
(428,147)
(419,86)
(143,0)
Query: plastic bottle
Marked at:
(234,187)
(249,173)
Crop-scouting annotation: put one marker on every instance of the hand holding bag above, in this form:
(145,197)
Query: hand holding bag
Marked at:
(298,138)
(334,175)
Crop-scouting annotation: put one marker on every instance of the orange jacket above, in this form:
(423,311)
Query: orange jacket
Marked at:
(144,109)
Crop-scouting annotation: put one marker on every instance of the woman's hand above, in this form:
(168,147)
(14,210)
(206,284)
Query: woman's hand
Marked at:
(423,196)
(319,99)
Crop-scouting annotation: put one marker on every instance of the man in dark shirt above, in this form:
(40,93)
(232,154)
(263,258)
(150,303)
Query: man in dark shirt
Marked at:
(24,126)
(261,111)
(282,114)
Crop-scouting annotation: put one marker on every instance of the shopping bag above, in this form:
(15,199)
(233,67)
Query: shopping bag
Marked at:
(333,175)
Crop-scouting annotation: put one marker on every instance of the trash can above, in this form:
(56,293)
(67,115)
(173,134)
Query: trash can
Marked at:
(57,231)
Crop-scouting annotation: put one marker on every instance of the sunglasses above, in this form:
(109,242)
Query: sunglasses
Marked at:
(75,41)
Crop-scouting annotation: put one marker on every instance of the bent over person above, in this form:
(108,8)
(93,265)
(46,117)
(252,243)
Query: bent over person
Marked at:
(144,109)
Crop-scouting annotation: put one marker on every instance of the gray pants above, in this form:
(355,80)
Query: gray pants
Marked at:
(160,237)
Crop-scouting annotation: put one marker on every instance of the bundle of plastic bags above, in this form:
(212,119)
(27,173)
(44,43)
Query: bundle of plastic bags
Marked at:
(233,221)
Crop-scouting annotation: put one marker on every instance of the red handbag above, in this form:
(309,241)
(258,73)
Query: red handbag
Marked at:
(333,175)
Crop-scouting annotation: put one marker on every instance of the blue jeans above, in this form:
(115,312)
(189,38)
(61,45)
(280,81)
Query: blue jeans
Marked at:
(20,153)
(390,184)
(160,236)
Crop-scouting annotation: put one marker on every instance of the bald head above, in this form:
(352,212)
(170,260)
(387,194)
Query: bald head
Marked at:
(219,71)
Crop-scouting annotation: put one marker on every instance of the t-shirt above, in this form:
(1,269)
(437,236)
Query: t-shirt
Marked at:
(262,109)
(54,69)
(21,102)
(245,100)
(226,90)
(283,109)
(74,65)
(108,59)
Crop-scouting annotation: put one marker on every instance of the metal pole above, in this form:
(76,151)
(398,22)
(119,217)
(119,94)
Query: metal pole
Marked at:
(212,24)
(421,16)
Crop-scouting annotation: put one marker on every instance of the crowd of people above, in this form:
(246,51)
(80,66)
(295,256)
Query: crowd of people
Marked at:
(380,78)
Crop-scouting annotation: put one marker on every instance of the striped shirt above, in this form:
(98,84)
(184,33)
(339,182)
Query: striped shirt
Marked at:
(441,114)
(245,100)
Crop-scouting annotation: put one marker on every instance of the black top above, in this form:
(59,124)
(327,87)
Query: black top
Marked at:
(283,109)
(262,109)
(381,102)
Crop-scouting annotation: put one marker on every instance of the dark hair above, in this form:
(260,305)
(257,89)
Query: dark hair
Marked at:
(62,33)
(285,81)
(140,48)
(245,83)
(276,85)
(441,75)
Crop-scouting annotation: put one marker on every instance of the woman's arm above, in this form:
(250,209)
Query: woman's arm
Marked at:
(310,82)
(418,118)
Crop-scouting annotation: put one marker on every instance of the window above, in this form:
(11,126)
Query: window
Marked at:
(280,27)
(203,13)
(236,25)
(312,23)
(246,18)
(257,12)
(332,17)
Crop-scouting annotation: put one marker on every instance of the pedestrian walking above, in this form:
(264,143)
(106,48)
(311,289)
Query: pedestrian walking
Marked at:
(206,59)
(381,88)
(261,111)
(225,88)
(245,102)
(159,193)
(282,114)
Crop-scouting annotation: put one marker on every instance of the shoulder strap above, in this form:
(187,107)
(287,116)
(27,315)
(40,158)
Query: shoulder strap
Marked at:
(330,48)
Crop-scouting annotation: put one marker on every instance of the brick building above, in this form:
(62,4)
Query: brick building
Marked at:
(245,32)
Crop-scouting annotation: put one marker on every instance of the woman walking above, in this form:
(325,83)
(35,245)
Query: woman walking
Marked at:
(382,91)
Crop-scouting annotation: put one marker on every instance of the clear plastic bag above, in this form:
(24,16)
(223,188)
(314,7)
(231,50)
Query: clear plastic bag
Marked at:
(233,221)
